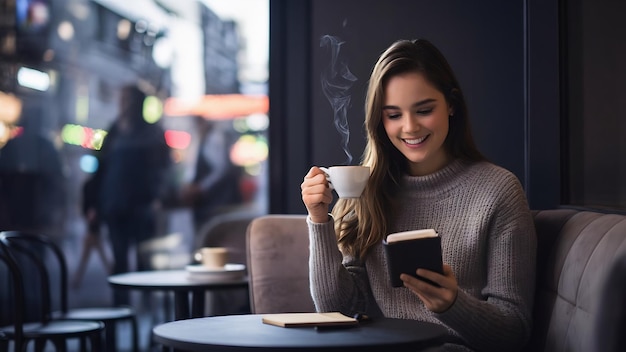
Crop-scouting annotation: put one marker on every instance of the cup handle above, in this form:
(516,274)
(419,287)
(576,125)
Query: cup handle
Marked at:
(197,255)
(327,172)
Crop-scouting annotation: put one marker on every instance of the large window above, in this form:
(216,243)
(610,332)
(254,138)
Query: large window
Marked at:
(203,65)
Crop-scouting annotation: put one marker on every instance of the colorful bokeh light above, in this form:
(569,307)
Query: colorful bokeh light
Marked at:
(88,163)
(85,137)
(177,139)
(91,138)
(249,150)
(152,109)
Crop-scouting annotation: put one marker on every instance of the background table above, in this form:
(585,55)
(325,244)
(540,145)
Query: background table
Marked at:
(247,332)
(178,282)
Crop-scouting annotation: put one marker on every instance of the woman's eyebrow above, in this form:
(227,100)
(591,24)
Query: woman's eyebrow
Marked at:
(415,105)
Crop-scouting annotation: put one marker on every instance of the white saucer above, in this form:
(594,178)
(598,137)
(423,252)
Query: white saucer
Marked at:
(199,268)
(199,272)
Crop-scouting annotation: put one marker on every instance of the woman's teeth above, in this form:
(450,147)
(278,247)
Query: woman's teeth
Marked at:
(415,141)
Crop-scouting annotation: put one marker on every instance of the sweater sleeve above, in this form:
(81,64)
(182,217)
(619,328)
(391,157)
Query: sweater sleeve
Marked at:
(337,283)
(501,320)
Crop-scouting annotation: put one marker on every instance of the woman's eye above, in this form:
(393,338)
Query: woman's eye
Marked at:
(424,111)
(393,116)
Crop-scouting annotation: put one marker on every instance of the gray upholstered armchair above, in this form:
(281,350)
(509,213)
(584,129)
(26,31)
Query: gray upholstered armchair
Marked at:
(278,269)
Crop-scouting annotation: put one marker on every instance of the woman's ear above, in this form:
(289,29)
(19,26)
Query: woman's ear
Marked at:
(451,99)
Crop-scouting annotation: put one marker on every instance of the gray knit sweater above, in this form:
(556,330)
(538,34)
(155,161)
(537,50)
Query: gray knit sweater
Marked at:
(488,238)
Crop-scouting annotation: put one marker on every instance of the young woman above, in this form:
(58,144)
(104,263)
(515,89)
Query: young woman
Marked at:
(426,173)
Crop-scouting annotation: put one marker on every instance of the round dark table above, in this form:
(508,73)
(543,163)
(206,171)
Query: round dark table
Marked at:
(179,282)
(247,332)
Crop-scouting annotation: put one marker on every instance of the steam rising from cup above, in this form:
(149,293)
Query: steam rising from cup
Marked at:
(336,82)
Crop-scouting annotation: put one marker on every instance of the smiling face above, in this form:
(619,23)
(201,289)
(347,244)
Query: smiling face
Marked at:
(416,120)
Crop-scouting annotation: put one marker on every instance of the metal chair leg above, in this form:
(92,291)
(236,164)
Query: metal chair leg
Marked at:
(135,332)
(40,345)
(60,345)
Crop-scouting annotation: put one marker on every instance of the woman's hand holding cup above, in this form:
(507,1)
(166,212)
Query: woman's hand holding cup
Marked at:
(316,195)
(347,181)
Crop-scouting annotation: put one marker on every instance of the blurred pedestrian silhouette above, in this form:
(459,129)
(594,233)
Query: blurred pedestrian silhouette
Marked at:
(133,166)
(215,185)
(32,192)
(32,183)
(92,239)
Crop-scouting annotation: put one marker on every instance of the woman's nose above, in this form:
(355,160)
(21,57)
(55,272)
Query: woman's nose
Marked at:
(410,124)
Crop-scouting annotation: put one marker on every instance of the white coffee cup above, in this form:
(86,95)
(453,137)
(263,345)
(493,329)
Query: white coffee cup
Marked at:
(347,181)
(212,257)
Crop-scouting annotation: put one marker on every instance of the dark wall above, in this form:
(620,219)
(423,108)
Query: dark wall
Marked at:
(487,43)
(481,42)
(596,72)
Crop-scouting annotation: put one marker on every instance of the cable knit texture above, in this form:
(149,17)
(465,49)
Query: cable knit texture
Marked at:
(488,238)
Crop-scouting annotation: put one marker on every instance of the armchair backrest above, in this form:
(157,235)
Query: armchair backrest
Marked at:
(17,293)
(31,250)
(576,253)
(277,248)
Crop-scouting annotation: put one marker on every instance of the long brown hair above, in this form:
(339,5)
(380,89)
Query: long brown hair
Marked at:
(362,223)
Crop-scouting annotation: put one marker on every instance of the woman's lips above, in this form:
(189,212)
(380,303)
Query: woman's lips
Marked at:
(415,141)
